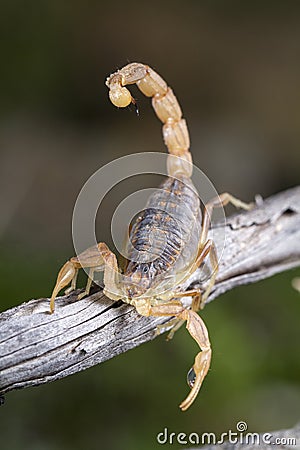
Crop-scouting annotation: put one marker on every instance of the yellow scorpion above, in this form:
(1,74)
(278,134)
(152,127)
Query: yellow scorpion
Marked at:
(173,215)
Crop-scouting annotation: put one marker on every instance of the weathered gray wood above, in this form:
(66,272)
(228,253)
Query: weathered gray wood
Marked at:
(36,347)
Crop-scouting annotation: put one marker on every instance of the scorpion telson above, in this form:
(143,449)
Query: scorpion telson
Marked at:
(169,230)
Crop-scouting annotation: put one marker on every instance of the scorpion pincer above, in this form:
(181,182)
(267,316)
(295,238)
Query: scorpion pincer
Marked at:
(167,243)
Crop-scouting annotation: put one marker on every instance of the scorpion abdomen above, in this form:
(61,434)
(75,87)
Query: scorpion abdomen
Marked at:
(163,232)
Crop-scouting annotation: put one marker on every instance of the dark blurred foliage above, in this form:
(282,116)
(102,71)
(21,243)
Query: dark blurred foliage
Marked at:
(235,68)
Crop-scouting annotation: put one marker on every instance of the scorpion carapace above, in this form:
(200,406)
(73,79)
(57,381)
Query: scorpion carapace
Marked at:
(168,242)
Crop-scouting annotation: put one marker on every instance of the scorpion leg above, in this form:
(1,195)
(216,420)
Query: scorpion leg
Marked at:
(197,330)
(73,283)
(88,285)
(176,323)
(96,258)
(217,202)
(66,275)
(207,247)
(198,299)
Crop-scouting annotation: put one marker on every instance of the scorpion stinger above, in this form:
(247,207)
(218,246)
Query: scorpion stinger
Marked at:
(173,216)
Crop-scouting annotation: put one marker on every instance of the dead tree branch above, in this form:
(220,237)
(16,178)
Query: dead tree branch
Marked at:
(36,347)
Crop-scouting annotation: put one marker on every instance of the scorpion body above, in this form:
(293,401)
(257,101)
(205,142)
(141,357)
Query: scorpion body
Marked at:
(167,242)
(163,241)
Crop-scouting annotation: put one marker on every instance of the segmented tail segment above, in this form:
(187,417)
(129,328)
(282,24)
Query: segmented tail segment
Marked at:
(166,107)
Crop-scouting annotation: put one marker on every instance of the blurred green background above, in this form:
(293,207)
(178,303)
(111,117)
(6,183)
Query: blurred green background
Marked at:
(235,68)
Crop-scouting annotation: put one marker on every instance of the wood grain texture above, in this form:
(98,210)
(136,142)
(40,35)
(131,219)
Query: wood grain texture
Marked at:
(37,347)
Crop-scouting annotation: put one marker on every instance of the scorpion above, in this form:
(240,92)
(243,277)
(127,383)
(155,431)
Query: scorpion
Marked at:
(173,217)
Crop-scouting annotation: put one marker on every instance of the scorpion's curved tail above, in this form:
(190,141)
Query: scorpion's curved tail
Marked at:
(166,107)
